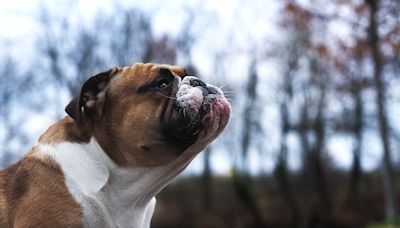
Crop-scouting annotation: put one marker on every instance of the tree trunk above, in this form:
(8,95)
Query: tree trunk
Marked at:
(317,151)
(241,179)
(282,177)
(206,180)
(281,172)
(357,129)
(387,171)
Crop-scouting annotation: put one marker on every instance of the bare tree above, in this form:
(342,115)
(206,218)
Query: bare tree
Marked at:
(312,134)
(14,85)
(131,39)
(357,128)
(285,96)
(391,207)
(251,128)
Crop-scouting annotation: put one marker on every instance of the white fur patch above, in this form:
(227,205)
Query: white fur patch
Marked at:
(110,196)
(189,96)
(193,97)
(83,165)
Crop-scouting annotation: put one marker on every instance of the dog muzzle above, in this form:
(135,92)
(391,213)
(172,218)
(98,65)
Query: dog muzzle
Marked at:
(194,100)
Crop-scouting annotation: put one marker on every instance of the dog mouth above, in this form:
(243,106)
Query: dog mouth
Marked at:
(194,101)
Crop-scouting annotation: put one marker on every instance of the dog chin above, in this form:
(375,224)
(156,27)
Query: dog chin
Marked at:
(187,125)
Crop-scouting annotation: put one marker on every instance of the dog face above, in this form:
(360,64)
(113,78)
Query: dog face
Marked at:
(147,115)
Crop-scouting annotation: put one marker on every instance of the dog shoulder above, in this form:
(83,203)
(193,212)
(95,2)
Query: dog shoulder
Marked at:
(33,194)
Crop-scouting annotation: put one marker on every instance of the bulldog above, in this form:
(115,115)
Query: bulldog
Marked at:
(127,134)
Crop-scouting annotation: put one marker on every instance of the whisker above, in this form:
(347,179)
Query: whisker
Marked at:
(222,86)
(229,92)
(172,98)
(229,99)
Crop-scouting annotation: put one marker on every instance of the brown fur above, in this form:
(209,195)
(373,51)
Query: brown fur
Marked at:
(33,192)
(65,130)
(130,124)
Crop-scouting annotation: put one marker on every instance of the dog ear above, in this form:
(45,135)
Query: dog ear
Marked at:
(90,96)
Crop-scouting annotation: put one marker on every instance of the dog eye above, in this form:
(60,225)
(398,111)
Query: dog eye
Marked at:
(162,84)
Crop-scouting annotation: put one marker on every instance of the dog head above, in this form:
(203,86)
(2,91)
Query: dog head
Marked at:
(148,115)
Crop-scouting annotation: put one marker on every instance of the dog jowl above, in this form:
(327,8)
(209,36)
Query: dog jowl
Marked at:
(127,134)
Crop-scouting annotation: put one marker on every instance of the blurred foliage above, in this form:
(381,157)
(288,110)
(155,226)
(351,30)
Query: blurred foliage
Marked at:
(227,210)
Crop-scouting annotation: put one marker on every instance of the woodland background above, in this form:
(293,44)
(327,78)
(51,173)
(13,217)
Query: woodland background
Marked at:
(314,139)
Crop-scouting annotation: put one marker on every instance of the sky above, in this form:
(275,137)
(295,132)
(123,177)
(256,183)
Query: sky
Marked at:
(17,23)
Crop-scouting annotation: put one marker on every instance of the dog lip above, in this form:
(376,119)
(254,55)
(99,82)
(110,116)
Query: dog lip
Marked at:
(214,103)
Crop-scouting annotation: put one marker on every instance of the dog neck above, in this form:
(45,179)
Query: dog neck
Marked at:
(121,195)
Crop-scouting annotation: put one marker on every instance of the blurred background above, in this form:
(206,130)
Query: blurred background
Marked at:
(314,139)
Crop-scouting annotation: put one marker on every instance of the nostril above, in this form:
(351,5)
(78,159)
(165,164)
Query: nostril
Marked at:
(205,91)
(197,82)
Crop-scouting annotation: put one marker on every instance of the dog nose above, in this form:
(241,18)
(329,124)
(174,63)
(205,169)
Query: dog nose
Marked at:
(197,82)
